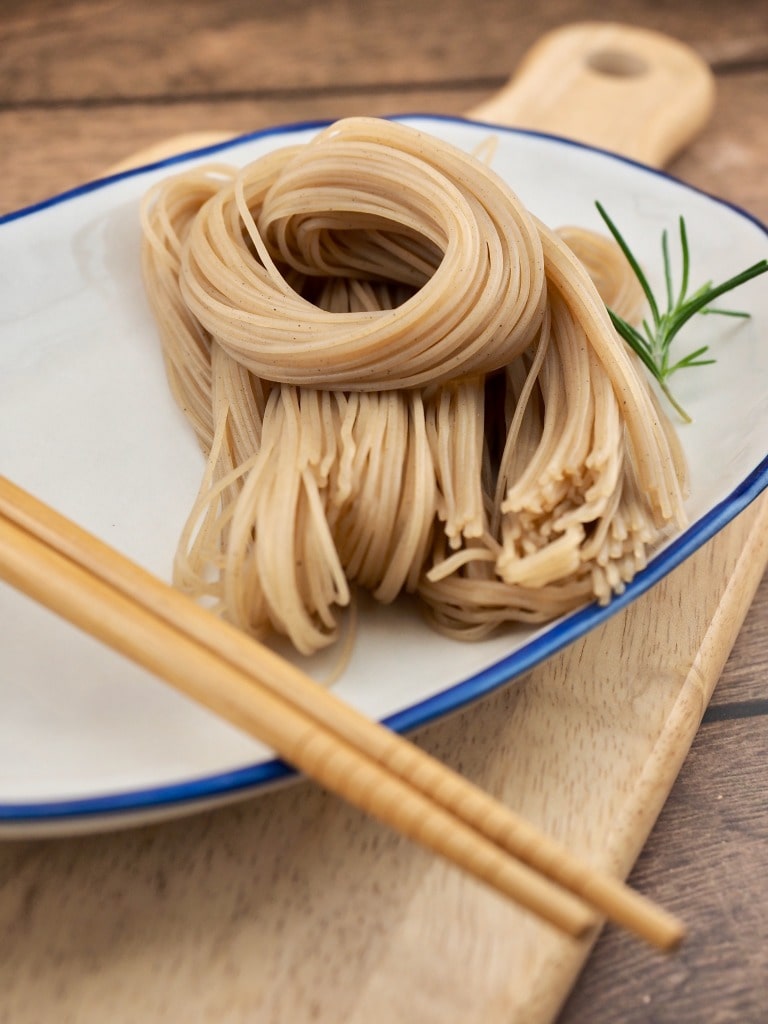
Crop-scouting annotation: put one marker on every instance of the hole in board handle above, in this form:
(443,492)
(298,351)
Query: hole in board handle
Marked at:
(617,63)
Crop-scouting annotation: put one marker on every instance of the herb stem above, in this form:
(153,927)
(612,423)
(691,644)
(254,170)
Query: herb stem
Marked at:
(684,416)
(655,348)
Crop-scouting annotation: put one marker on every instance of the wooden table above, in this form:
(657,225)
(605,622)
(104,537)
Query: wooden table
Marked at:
(166,923)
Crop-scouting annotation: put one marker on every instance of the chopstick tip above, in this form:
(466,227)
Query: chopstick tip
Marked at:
(671,935)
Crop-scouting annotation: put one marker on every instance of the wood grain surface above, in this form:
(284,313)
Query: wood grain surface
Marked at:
(292,907)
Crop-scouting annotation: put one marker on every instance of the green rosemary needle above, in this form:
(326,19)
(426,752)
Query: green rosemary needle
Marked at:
(653,343)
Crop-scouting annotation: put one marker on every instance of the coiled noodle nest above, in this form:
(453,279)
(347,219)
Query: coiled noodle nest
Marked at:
(402,381)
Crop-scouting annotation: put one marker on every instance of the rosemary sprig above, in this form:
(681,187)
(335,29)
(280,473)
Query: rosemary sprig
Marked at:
(653,343)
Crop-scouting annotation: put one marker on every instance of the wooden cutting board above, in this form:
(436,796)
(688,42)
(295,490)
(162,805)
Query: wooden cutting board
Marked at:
(594,739)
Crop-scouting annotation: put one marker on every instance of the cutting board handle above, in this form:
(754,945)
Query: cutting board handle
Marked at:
(630,90)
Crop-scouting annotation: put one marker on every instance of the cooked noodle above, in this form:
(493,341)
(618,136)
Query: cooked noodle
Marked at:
(402,381)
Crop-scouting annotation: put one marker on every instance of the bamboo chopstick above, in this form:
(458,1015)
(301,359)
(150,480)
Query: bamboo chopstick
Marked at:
(63,567)
(73,592)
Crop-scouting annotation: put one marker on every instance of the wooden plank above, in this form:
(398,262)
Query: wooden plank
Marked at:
(741,684)
(711,837)
(43,151)
(87,50)
(294,908)
(730,159)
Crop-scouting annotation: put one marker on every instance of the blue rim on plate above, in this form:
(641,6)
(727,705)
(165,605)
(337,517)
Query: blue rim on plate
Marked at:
(210,789)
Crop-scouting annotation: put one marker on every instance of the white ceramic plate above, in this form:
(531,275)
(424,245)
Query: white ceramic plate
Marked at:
(88,741)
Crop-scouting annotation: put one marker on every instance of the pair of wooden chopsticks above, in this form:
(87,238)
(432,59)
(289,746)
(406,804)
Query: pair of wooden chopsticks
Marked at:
(63,567)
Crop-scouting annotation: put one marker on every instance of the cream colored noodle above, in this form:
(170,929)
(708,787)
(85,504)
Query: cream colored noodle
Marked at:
(402,381)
